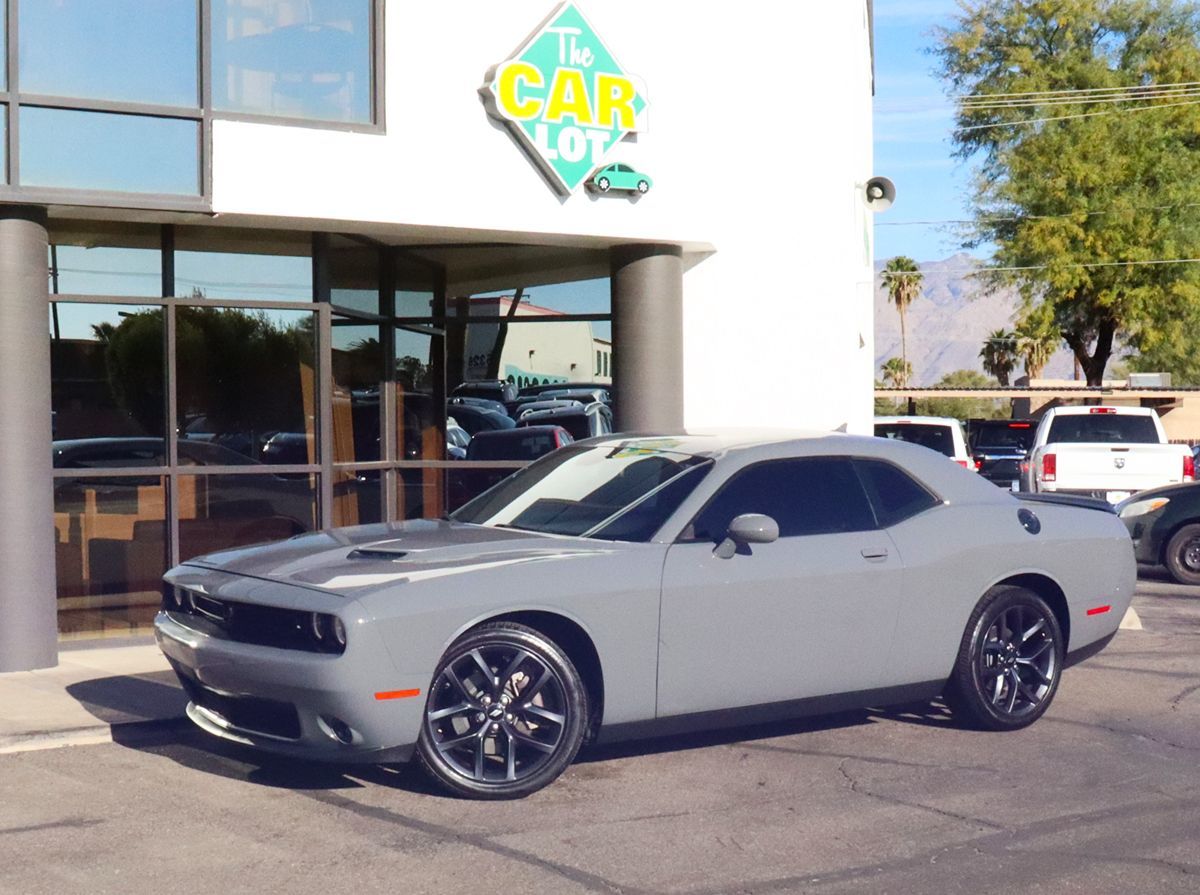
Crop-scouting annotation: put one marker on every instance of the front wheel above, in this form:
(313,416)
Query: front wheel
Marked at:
(1009,661)
(642,186)
(505,716)
(1183,555)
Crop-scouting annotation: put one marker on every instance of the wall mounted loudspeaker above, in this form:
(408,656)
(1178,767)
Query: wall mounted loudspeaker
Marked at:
(881,193)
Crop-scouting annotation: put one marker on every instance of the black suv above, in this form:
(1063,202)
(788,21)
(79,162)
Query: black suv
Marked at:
(999,446)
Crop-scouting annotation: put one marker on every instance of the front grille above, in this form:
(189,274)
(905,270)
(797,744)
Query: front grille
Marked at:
(246,622)
(250,713)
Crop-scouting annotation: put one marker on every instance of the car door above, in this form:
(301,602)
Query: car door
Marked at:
(810,614)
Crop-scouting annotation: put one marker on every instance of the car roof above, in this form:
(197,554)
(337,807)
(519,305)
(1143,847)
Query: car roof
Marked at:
(920,420)
(1081,409)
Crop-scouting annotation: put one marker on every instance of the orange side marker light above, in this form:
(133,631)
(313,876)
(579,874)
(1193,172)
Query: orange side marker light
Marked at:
(397,694)
(1098,610)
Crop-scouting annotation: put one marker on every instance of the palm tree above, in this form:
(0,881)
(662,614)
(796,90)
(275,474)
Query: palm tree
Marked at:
(896,372)
(902,280)
(999,354)
(1037,340)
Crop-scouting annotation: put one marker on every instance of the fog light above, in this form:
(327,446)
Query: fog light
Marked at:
(338,729)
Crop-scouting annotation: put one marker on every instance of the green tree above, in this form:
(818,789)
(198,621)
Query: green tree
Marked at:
(896,372)
(964,408)
(902,280)
(1037,339)
(1076,190)
(999,354)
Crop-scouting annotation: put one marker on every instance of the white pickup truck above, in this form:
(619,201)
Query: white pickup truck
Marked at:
(1105,452)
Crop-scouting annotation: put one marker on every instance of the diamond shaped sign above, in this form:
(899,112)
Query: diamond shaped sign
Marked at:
(566,98)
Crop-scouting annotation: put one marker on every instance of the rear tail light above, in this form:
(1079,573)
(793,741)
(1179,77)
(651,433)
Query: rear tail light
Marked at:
(1103,410)
(978,463)
(962,463)
(1049,468)
(1189,468)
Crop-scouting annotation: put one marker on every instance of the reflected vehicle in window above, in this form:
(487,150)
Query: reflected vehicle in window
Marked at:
(493,389)
(523,410)
(580,420)
(480,403)
(583,395)
(475,420)
(826,572)
(525,443)
(938,433)
(457,440)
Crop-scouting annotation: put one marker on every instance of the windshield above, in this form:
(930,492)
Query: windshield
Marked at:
(1014,437)
(931,435)
(1102,427)
(622,492)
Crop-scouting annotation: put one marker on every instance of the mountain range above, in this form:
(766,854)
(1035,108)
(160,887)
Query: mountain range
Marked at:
(948,323)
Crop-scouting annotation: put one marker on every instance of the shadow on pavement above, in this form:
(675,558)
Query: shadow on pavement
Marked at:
(131,698)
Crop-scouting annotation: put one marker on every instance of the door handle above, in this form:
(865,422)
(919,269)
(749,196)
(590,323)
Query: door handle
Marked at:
(874,553)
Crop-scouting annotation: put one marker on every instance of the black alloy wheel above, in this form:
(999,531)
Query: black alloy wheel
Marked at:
(505,716)
(1183,555)
(1009,662)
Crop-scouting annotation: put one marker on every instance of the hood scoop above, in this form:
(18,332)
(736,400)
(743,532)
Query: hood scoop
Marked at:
(376,553)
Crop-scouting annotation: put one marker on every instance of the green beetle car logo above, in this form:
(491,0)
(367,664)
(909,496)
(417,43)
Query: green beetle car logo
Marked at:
(569,103)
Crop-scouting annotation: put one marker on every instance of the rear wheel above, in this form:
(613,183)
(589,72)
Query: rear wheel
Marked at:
(1183,555)
(1009,661)
(505,716)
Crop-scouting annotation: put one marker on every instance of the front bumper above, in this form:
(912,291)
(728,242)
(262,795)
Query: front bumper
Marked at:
(290,702)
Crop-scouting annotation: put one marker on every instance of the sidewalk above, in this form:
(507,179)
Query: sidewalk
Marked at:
(95,687)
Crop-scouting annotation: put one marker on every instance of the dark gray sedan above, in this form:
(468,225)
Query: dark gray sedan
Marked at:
(626,586)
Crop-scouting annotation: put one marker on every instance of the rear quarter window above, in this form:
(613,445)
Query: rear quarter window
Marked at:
(894,494)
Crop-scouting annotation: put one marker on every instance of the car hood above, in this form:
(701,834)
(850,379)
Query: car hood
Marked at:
(355,560)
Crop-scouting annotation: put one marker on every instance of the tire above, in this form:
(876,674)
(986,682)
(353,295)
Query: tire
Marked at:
(1182,555)
(1009,663)
(603,183)
(509,733)
(643,187)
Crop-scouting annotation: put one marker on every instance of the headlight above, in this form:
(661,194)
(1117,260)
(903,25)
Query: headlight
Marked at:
(339,632)
(317,626)
(1142,507)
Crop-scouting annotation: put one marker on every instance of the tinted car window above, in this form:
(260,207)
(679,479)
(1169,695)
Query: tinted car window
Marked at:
(894,493)
(936,438)
(1001,436)
(814,495)
(1102,427)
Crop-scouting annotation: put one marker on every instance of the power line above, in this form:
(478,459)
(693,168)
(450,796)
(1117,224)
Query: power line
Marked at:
(1064,101)
(1077,90)
(1001,219)
(976,127)
(1090,264)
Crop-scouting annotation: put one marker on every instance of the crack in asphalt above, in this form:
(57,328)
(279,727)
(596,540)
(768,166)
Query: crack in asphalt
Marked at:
(1120,731)
(1182,695)
(998,844)
(70,823)
(858,789)
(1154,672)
(589,881)
(817,753)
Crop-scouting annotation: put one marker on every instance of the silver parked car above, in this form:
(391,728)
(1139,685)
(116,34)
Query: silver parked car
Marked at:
(627,585)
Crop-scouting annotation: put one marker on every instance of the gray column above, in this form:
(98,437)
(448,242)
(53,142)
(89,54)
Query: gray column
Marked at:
(28,618)
(647,310)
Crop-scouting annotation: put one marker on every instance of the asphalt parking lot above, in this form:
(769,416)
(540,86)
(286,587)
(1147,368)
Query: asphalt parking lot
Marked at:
(1101,795)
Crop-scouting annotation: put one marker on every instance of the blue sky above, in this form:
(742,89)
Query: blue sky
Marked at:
(913,120)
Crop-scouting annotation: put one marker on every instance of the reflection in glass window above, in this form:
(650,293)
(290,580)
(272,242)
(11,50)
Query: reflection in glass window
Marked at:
(246,382)
(72,149)
(294,58)
(419,433)
(420,493)
(237,275)
(354,275)
(142,51)
(416,289)
(107,383)
(217,512)
(357,360)
(110,553)
(356,497)
(94,258)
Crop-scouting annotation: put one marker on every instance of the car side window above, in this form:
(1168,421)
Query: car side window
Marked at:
(894,494)
(805,496)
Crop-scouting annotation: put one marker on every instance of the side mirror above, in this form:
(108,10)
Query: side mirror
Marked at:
(747,529)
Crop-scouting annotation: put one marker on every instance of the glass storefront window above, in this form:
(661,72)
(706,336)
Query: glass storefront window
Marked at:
(357,376)
(295,58)
(529,351)
(421,493)
(354,275)
(72,149)
(416,289)
(110,553)
(419,421)
(246,382)
(107,383)
(357,497)
(81,48)
(237,265)
(93,258)
(217,512)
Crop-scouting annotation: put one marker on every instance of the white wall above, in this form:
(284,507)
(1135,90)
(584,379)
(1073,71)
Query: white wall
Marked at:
(759,142)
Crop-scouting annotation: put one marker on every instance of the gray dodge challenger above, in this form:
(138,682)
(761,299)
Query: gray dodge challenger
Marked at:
(628,586)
